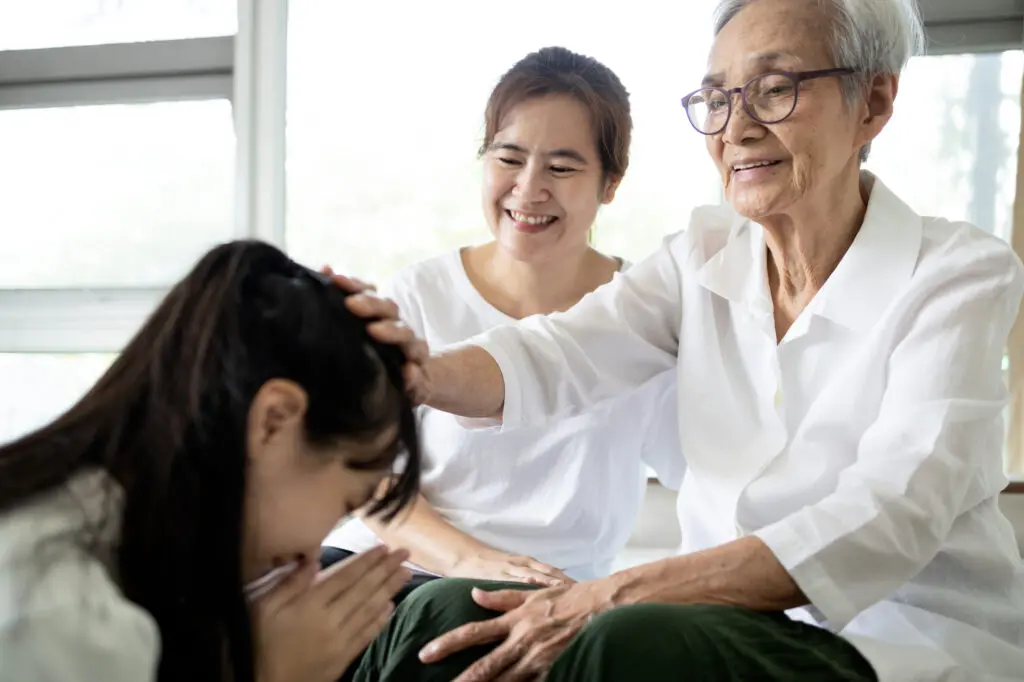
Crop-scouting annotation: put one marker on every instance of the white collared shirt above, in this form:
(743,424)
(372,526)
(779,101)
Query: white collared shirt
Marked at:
(864,448)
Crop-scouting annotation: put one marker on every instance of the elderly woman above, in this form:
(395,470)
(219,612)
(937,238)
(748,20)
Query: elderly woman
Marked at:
(840,399)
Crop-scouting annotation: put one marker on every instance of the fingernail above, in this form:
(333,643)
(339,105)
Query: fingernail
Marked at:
(428,652)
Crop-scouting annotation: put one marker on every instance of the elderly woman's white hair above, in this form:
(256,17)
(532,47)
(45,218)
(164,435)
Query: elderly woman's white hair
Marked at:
(872,36)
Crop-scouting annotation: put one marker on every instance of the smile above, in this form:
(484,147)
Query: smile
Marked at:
(754,164)
(530,219)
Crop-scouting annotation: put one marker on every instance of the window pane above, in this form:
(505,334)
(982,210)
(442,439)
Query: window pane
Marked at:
(950,149)
(37,388)
(113,195)
(29,24)
(384,120)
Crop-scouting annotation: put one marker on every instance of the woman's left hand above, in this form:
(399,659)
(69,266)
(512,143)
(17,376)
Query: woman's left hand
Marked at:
(534,630)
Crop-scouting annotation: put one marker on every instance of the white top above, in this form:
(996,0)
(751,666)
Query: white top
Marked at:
(566,493)
(864,449)
(62,616)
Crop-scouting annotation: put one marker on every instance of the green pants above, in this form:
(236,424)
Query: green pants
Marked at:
(646,642)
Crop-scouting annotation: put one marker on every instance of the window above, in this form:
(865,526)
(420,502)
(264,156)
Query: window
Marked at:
(38,387)
(115,195)
(61,23)
(117,127)
(384,121)
(950,149)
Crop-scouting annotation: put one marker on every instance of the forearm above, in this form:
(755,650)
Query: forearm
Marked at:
(466,382)
(433,543)
(741,573)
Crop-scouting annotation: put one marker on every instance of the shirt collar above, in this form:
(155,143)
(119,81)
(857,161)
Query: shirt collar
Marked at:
(878,263)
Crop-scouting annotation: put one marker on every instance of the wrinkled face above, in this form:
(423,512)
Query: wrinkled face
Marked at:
(295,492)
(543,181)
(819,143)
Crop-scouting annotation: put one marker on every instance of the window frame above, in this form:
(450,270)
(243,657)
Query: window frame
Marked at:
(247,68)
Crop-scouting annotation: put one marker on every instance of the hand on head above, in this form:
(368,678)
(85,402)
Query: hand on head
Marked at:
(386,327)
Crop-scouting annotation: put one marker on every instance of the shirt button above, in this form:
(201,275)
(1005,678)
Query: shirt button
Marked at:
(778,397)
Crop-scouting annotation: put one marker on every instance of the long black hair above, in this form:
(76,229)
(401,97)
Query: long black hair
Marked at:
(167,422)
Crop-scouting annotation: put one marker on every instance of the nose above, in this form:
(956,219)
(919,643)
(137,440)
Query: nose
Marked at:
(741,128)
(532,184)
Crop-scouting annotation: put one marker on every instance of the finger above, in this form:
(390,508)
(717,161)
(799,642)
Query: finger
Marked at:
(392,331)
(346,282)
(336,579)
(464,637)
(291,586)
(530,668)
(500,600)
(368,304)
(494,664)
(547,570)
(371,591)
(522,574)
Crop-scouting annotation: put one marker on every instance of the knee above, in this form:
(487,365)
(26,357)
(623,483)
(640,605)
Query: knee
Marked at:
(441,592)
(663,629)
(451,599)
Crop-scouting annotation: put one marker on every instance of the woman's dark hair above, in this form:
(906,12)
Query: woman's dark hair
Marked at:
(168,422)
(558,71)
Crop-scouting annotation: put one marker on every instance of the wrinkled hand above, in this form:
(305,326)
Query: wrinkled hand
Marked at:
(501,566)
(388,328)
(312,626)
(534,630)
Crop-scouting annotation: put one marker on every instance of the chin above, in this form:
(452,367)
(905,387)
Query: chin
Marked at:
(754,205)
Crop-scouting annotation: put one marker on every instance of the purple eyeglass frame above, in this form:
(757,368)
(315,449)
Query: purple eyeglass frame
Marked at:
(796,76)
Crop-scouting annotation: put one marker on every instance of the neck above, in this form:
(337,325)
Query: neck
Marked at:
(806,245)
(523,288)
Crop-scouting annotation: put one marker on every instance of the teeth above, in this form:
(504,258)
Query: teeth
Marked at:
(531,220)
(748,166)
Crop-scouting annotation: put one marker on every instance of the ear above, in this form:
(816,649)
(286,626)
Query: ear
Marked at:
(610,187)
(278,408)
(881,95)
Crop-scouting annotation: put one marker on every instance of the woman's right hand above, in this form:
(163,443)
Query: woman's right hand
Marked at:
(387,327)
(312,626)
(509,567)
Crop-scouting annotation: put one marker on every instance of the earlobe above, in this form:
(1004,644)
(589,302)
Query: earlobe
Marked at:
(610,187)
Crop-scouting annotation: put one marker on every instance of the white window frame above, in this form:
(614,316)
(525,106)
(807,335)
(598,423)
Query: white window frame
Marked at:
(248,68)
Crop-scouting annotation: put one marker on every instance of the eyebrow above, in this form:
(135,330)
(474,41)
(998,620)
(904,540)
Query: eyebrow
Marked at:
(564,153)
(761,59)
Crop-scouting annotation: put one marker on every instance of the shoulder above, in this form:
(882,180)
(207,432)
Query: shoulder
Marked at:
(961,262)
(946,243)
(707,232)
(425,278)
(62,615)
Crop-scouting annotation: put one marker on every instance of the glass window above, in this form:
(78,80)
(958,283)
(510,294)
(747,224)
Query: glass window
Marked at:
(950,149)
(30,24)
(385,118)
(113,195)
(39,387)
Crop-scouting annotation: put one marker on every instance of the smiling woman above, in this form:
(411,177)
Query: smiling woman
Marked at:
(546,505)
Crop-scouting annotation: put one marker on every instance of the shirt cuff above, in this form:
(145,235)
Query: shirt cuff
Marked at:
(786,541)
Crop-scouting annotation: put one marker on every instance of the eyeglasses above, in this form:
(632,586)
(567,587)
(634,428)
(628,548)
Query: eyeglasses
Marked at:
(768,98)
